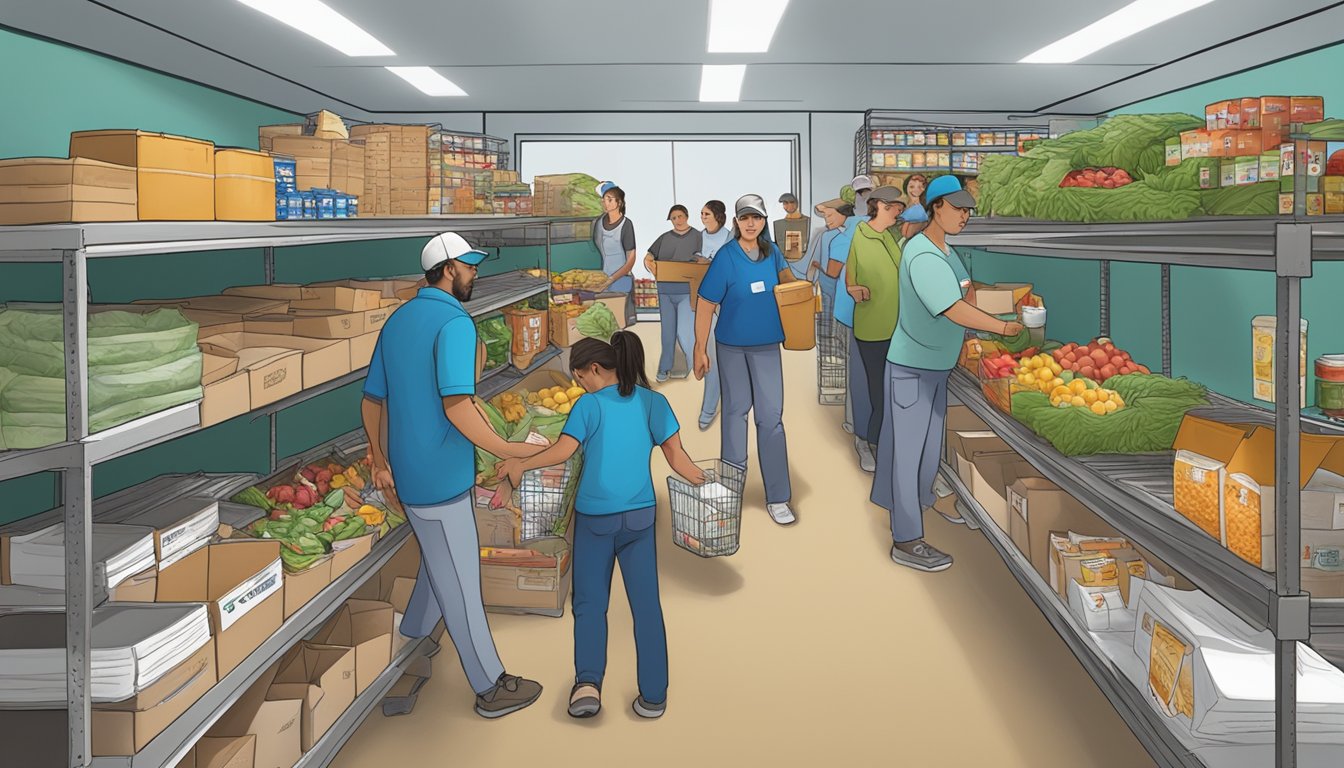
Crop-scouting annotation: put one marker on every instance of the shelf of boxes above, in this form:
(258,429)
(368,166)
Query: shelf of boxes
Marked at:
(905,148)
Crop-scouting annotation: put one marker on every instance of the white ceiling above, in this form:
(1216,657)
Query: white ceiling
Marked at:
(582,55)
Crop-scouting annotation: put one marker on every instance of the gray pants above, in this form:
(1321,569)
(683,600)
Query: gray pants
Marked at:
(710,404)
(678,327)
(857,399)
(751,380)
(910,446)
(449,588)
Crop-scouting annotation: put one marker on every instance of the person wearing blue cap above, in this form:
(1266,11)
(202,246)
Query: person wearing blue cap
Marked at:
(418,394)
(912,221)
(614,236)
(924,348)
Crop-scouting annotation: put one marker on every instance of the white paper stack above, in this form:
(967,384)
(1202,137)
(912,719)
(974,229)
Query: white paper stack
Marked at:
(23,599)
(134,644)
(119,551)
(181,526)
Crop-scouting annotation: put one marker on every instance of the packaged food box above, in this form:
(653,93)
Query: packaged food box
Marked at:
(1306,109)
(1173,150)
(49,190)
(175,175)
(244,185)
(1262,358)
(1203,449)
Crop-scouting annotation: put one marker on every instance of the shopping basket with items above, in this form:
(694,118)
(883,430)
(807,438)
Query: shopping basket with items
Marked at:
(832,361)
(707,519)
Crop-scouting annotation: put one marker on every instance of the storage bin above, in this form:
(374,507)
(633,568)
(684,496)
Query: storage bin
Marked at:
(797,308)
(244,185)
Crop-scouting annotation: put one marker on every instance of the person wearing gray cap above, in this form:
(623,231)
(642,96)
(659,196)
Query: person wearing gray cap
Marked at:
(423,430)
(935,314)
(792,245)
(740,285)
(862,186)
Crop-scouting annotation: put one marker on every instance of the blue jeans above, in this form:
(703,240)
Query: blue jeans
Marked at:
(913,422)
(599,541)
(678,321)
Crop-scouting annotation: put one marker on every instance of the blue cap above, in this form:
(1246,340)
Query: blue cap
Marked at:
(949,187)
(915,214)
(605,187)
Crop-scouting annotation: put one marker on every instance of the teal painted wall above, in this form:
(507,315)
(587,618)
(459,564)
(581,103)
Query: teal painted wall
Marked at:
(1071,289)
(1212,308)
(80,91)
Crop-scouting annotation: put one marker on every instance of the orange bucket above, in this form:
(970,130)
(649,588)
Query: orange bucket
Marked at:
(797,308)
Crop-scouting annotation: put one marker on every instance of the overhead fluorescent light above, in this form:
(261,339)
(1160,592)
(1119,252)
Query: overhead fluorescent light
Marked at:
(1132,19)
(317,19)
(429,82)
(743,26)
(722,82)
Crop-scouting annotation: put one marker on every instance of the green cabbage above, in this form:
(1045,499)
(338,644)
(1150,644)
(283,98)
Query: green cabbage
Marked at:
(598,322)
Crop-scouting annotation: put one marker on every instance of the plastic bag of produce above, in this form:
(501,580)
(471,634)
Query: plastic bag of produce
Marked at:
(115,338)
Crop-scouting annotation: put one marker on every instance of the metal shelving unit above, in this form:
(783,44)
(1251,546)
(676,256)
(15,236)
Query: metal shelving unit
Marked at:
(72,246)
(1129,702)
(1131,493)
(887,121)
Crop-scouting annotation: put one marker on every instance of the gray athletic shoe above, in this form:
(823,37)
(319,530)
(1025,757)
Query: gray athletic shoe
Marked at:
(650,711)
(867,462)
(922,557)
(586,705)
(510,694)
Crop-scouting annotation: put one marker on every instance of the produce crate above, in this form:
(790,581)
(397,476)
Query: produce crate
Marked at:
(473,150)
(707,519)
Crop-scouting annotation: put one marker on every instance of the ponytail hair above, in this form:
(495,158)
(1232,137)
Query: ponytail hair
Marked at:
(624,354)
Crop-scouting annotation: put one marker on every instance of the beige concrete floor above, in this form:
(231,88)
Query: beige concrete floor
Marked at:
(807,647)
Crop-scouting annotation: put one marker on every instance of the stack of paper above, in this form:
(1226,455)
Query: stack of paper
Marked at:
(134,644)
(23,599)
(119,551)
(181,526)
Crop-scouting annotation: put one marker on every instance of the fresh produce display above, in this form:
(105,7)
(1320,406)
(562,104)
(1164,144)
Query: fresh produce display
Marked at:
(591,280)
(1103,178)
(567,194)
(598,322)
(305,535)
(1147,415)
(510,406)
(559,398)
(1084,393)
(494,331)
(1098,361)
(1000,366)
(1040,373)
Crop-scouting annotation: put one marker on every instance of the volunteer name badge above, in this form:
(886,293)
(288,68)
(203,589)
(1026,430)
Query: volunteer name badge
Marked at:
(758,286)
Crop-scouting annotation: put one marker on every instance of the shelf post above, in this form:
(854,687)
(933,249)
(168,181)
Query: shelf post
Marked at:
(268,262)
(1293,250)
(1166,320)
(273,461)
(1105,300)
(76,501)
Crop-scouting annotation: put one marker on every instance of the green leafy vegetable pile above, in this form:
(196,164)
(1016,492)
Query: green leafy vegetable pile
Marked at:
(598,322)
(1155,406)
(570,194)
(305,535)
(494,331)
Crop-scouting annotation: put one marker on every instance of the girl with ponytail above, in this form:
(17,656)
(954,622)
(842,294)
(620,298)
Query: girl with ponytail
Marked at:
(618,423)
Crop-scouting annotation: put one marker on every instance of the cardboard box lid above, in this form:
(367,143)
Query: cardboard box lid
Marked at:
(217,367)
(301,146)
(276,292)
(226,752)
(238,342)
(145,149)
(310,670)
(1210,439)
(1254,456)
(339,297)
(62,170)
(249,358)
(243,162)
(1001,469)
(240,305)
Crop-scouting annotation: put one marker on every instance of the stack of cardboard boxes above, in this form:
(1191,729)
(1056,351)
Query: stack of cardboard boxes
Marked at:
(396,168)
(1224,485)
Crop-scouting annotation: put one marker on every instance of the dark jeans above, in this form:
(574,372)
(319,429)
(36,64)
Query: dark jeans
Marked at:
(874,354)
(599,541)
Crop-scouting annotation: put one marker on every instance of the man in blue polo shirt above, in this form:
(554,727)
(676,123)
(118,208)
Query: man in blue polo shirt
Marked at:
(423,428)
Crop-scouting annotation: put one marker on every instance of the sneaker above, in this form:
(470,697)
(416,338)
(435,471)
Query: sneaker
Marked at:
(510,694)
(867,462)
(921,557)
(849,428)
(781,513)
(661,377)
(585,700)
(647,710)
(706,423)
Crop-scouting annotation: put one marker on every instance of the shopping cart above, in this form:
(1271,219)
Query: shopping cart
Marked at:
(707,519)
(545,500)
(832,358)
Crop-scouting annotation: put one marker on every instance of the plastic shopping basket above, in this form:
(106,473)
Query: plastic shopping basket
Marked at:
(707,519)
(545,500)
(832,361)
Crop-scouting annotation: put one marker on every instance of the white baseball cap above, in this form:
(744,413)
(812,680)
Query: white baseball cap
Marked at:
(449,246)
(861,183)
(750,204)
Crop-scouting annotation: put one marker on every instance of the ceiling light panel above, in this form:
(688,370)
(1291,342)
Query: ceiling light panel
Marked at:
(722,82)
(318,20)
(428,81)
(1130,20)
(743,26)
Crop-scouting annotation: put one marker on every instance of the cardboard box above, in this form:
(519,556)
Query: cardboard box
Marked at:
(269,324)
(1249,503)
(514,589)
(366,627)
(303,586)
(963,444)
(343,298)
(175,175)
(1039,507)
(235,752)
(1222,143)
(1315,205)
(322,679)
(48,190)
(991,475)
(1195,144)
(959,418)
(346,554)
(141,588)
(322,359)
(1306,109)
(1001,298)
(1090,566)
(125,727)
(217,367)
(267,133)
(286,292)
(616,303)
(361,350)
(405,564)
(241,582)
(332,324)
(240,306)
(227,398)
(1203,449)
(244,185)
(188,760)
(391,290)
(1249,143)
(682,272)
(1333,202)
(272,373)
(275,724)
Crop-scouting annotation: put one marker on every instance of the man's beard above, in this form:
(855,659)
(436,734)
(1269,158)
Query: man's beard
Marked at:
(463,292)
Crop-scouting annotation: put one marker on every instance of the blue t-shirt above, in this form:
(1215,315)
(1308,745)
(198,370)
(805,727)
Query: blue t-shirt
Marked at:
(618,434)
(844,303)
(426,352)
(745,292)
(931,282)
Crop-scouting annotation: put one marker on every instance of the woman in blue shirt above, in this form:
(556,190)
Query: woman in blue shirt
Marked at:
(715,235)
(617,423)
(740,285)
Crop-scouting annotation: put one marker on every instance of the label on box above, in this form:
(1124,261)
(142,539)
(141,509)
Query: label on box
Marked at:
(251,593)
(528,583)
(1165,656)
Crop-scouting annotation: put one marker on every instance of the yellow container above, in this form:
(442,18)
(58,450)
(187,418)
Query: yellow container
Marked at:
(244,185)
(797,310)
